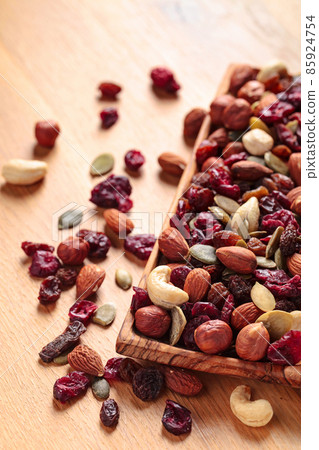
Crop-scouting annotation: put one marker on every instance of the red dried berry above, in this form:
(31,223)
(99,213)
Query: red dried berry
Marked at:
(109,89)
(164,79)
(139,299)
(72,385)
(113,192)
(134,160)
(205,309)
(228,308)
(46,132)
(285,305)
(99,243)
(111,369)
(147,383)
(128,368)
(178,276)
(225,238)
(291,289)
(288,241)
(176,418)
(141,245)
(109,413)
(276,112)
(43,264)
(30,248)
(287,137)
(239,288)
(272,276)
(82,311)
(283,183)
(50,290)
(235,158)
(205,150)
(287,350)
(187,310)
(200,198)
(109,116)
(67,277)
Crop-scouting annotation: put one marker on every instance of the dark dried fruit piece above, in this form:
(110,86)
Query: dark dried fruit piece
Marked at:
(205,309)
(128,368)
(111,369)
(113,192)
(50,290)
(287,350)
(291,289)
(256,246)
(180,381)
(164,79)
(82,310)
(218,294)
(62,343)
(178,276)
(109,89)
(134,160)
(228,308)
(72,385)
(147,383)
(139,299)
(99,243)
(141,245)
(67,277)
(109,116)
(43,264)
(285,305)
(205,150)
(288,241)
(109,413)
(239,288)
(189,330)
(176,418)
(30,248)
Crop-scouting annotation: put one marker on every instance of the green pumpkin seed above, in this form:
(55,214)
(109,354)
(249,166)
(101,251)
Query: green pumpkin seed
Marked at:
(275,163)
(273,243)
(204,253)
(100,388)
(257,159)
(227,204)
(123,279)
(219,214)
(241,243)
(178,324)
(63,358)
(258,234)
(102,164)
(266,263)
(105,314)
(70,219)
(280,260)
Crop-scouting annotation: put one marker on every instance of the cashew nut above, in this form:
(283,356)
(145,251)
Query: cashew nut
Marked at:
(24,172)
(161,292)
(252,413)
(272,69)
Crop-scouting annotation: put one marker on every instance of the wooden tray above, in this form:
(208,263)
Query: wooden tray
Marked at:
(130,343)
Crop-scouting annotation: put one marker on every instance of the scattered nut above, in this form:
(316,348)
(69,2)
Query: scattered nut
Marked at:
(294,264)
(46,132)
(118,222)
(246,218)
(197,284)
(296,320)
(275,163)
(105,314)
(217,108)
(152,321)
(24,172)
(252,413)
(241,74)
(89,280)
(251,91)
(172,244)
(193,121)
(249,170)
(172,163)
(239,259)
(271,70)
(244,314)
(73,251)
(123,279)
(277,323)
(227,204)
(87,360)
(184,383)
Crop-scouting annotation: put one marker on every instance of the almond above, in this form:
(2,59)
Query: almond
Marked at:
(193,121)
(294,193)
(197,284)
(244,315)
(172,244)
(294,264)
(294,165)
(89,280)
(181,382)
(249,170)
(118,222)
(296,206)
(86,360)
(172,163)
(239,259)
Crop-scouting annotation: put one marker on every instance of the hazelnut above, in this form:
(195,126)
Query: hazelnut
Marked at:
(217,108)
(251,91)
(266,100)
(46,132)
(240,76)
(232,148)
(257,142)
(73,251)
(252,342)
(213,336)
(236,116)
(220,136)
(193,121)
(152,321)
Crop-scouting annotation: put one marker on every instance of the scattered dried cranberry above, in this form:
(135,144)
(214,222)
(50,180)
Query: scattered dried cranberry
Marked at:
(205,150)
(72,385)
(188,333)
(141,245)
(139,299)
(287,137)
(147,383)
(67,277)
(205,309)
(285,305)
(50,290)
(109,413)
(82,311)
(273,276)
(201,179)
(46,132)
(290,289)
(283,183)
(228,308)
(134,160)
(113,192)
(111,369)
(164,79)
(268,205)
(200,198)
(109,116)
(235,158)
(239,288)
(43,264)
(282,199)
(128,368)
(276,112)
(288,241)
(99,243)
(283,217)
(178,276)
(30,248)
(176,418)
(287,350)
(109,89)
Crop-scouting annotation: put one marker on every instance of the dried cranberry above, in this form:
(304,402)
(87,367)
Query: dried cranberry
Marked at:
(205,309)
(139,299)
(99,243)
(50,290)
(239,288)
(187,310)
(285,305)
(82,310)
(134,160)
(269,205)
(292,95)
(43,264)
(113,192)
(283,183)
(287,350)
(273,276)
(109,413)
(128,368)
(176,418)
(205,150)
(197,237)
(228,308)
(282,199)
(72,385)
(288,240)
(287,137)
(67,277)
(30,248)
(225,238)
(201,179)
(276,112)
(200,198)
(111,369)
(282,218)
(204,220)
(290,289)
(235,158)
(182,207)
(164,79)
(219,176)
(181,224)
(270,225)
(141,245)
(147,383)
(188,333)
(109,89)
(109,116)
(178,276)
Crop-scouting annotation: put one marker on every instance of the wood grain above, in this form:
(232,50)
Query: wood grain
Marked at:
(52,57)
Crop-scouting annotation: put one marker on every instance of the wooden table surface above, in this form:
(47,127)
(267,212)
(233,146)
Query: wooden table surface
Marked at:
(53,54)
